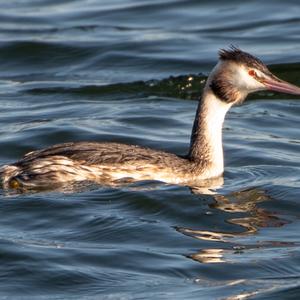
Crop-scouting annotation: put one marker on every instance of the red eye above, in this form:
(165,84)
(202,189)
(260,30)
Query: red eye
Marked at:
(251,73)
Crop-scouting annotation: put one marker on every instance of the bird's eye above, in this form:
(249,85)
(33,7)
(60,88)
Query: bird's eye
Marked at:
(252,73)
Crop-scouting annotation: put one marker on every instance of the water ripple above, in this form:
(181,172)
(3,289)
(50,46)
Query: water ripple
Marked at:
(123,71)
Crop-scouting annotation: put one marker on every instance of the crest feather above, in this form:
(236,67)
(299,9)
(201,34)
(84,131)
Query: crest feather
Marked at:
(237,55)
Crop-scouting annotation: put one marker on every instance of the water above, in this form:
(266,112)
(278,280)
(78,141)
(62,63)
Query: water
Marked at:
(119,71)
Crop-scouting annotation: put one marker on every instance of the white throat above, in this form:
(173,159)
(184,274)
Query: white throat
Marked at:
(206,142)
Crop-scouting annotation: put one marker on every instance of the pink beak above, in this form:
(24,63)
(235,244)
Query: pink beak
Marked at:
(278,85)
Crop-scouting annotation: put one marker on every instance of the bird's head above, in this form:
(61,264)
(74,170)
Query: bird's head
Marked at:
(239,73)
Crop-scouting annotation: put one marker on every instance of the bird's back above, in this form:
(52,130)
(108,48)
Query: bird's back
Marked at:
(98,162)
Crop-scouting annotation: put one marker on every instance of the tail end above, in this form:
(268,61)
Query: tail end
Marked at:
(7,175)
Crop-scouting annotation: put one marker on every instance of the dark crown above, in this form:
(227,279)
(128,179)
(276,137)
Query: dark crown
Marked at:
(241,57)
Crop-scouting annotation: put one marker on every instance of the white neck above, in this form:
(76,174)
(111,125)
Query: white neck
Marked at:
(206,141)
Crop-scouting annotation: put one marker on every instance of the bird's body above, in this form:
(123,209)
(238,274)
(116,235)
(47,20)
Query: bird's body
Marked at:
(236,75)
(99,162)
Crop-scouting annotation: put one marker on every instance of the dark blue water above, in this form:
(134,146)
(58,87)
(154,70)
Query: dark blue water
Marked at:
(119,70)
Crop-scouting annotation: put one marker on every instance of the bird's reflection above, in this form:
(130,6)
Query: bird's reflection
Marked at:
(209,256)
(240,202)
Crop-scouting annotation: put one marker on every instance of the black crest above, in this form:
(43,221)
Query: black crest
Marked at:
(237,55)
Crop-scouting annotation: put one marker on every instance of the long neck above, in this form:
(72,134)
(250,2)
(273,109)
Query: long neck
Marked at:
(206,148)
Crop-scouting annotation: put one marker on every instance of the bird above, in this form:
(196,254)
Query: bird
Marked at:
(236,74)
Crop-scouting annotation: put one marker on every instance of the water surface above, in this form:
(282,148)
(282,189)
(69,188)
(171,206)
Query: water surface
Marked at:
(131,71)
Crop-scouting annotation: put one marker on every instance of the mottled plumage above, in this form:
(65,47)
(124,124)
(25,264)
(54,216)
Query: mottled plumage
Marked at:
(99,162)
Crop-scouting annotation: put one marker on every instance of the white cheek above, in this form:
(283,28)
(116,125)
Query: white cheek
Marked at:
(247,82)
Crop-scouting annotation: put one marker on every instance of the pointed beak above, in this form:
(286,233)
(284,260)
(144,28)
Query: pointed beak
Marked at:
(275,84)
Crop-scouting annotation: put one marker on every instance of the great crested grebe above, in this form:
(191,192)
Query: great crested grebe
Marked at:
(235,76)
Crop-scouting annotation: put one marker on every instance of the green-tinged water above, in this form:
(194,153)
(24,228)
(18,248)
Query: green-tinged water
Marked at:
(130,71)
